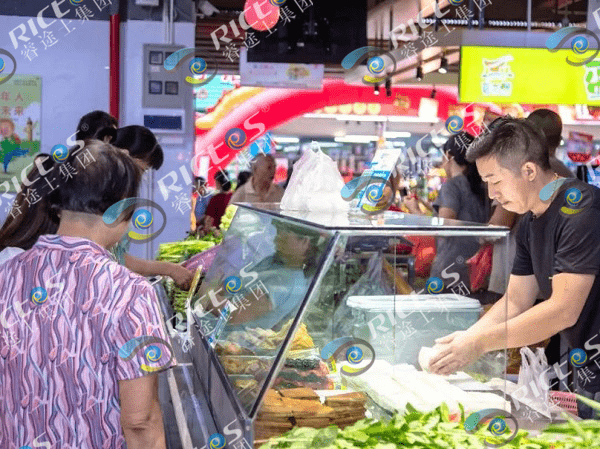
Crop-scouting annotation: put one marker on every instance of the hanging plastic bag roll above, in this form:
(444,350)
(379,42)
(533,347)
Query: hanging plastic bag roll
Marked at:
(315,184)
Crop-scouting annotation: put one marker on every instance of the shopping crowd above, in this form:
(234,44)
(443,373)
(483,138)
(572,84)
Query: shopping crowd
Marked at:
(71,297)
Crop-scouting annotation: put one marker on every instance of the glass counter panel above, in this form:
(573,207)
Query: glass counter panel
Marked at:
(380,302)
(253,291)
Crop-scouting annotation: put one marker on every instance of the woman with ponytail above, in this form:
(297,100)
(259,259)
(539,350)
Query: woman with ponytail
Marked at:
(462,197)
(26,222)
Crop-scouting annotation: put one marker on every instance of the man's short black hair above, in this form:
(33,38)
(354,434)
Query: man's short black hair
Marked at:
(550,124)
(513,142)
(93,122)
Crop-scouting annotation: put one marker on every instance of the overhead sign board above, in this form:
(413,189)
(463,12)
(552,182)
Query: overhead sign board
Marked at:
(526,75)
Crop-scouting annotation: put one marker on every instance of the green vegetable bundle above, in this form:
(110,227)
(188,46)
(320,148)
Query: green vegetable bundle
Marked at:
(227,217)
(178,252)
(433,430)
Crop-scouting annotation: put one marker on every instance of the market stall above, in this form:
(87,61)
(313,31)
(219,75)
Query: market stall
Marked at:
(292,329)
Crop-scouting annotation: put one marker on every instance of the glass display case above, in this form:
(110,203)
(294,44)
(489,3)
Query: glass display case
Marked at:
(298,308)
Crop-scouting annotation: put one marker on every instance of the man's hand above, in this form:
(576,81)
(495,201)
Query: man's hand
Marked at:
(181,276)
(456,351)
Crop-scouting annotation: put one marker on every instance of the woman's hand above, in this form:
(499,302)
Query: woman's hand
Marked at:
(181,276)
(412,204)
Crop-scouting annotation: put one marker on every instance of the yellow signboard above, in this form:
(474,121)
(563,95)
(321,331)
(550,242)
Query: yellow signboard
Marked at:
(526,75)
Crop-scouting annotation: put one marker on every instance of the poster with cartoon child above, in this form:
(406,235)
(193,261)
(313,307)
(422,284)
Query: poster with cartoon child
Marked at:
(20,110)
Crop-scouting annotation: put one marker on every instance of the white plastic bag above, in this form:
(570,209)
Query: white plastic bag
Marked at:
(533,385)
(316,184)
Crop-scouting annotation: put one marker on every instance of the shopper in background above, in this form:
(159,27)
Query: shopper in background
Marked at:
(557,253)
(461,197)
(218,203)
(200,199)
(64,383)
(242,179)
(23,230)
(27,221)
(93,122)
(550,124)
(142,145)
(260,187)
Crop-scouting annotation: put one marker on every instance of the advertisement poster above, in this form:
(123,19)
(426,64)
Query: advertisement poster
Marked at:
(20,113)
(512,75)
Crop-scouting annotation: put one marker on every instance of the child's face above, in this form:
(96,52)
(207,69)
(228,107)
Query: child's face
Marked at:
(6,128)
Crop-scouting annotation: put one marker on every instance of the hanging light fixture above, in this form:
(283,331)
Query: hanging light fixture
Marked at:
(443,65)
(388,87)
(419,73)
(376,89)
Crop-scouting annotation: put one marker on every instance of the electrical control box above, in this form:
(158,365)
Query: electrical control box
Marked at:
(164,88)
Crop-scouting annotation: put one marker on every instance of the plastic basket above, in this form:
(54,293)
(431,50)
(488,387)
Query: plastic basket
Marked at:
(564,400)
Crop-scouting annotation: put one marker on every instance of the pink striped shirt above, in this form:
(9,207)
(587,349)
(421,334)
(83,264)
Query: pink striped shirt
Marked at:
(67,310)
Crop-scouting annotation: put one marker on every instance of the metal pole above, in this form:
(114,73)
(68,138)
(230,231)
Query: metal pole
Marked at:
(470,19)
(482,15)
(528,15)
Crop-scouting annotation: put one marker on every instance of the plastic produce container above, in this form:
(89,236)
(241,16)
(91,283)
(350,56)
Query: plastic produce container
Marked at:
(398,326)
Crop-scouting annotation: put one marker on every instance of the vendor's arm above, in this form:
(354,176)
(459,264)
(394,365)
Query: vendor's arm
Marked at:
(520,296)
(561,311)
(575,266)
(569,294)
(180,275)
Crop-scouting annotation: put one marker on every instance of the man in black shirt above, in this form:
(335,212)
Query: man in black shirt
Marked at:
(558,254)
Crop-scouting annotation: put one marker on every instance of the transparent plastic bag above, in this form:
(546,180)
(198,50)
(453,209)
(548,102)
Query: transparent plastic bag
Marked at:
(316,184)
(533,384)
(372,283)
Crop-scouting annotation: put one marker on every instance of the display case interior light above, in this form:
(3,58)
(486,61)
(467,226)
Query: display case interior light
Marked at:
(330,144)
(282,139)
(375,118)
(355,138)
(396,134)
(428,107)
